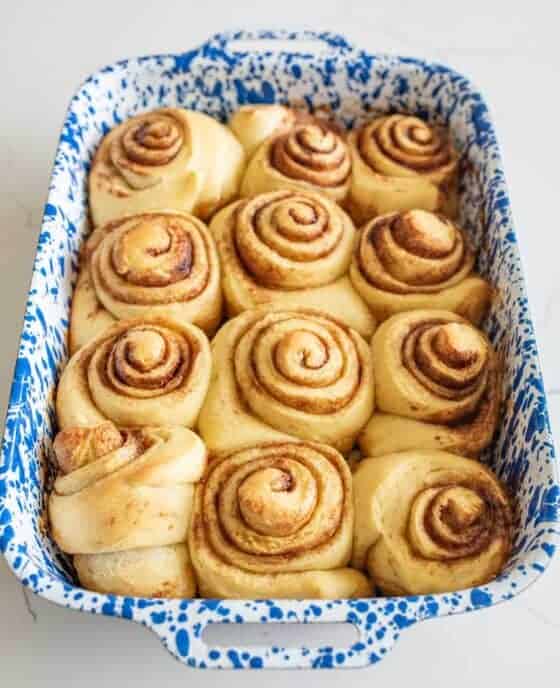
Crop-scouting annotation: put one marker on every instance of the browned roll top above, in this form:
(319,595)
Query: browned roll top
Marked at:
(154,251)
(450,359)
(166,242)
(75,447)
(408,142)
(145,361)
(277,507)
(414,252)
(302,361)
(458,519)
(281,237)
(314,153)
(154,139)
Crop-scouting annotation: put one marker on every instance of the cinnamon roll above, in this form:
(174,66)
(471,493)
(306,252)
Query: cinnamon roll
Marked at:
(310,155)
(429,522)
(438,385)
(122,504)
(417,259)
(400,162)
(153,264)
(287,374)
(275,521)
(138,372)
(169,158)
(287,249)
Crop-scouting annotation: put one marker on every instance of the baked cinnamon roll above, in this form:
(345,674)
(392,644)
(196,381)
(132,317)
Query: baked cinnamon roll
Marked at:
(429,522)
(400,162)
(154,264)
(287,374)
(438,386)
(289,249)
(169,158)
(417,259)
(308,155)
(122,505)
(275,521)
(137,373)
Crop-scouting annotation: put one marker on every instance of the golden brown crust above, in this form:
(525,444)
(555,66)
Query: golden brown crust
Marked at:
(401,162)
(438,385)
(150,264)
(166,158)
(271,520)
(429,521)
(122,504)
(417,259)
(303,153)
(138,372)
(135,495)
(75,447)
(287,374)
(289,248)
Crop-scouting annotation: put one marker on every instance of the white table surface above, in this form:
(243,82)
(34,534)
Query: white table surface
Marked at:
(511,51)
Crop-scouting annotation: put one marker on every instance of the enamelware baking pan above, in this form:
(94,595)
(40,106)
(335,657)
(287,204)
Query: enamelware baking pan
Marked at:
(320,70)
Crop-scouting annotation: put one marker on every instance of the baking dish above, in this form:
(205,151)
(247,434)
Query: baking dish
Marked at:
(320,70)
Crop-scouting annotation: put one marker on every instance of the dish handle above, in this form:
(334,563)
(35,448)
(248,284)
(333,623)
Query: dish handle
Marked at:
(303,42)
(344,633)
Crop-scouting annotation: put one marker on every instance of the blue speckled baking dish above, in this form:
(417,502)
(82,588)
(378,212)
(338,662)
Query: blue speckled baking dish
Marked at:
(319,69)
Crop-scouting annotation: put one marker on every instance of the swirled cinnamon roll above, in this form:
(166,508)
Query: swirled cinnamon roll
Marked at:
(153,264)
(400,162)
(122,505)
(287,374)
(417,259)
(137,373)
(169,158)
(289,249)
(429,522)
(276,520)
(438,385)
(309,155)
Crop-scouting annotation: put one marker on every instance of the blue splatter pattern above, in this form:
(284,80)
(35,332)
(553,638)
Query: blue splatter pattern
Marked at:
(216,79)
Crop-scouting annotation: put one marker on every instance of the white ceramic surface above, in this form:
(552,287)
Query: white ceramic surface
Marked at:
(45,53)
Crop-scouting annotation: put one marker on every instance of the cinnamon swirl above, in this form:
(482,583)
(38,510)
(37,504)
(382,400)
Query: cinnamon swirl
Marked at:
(287,249)
(276,520)
(438,385)
(154,264)
(400,162)
(310,156)
(429,522)
(417,259)
(169,158)
(287,374)
(138,372)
